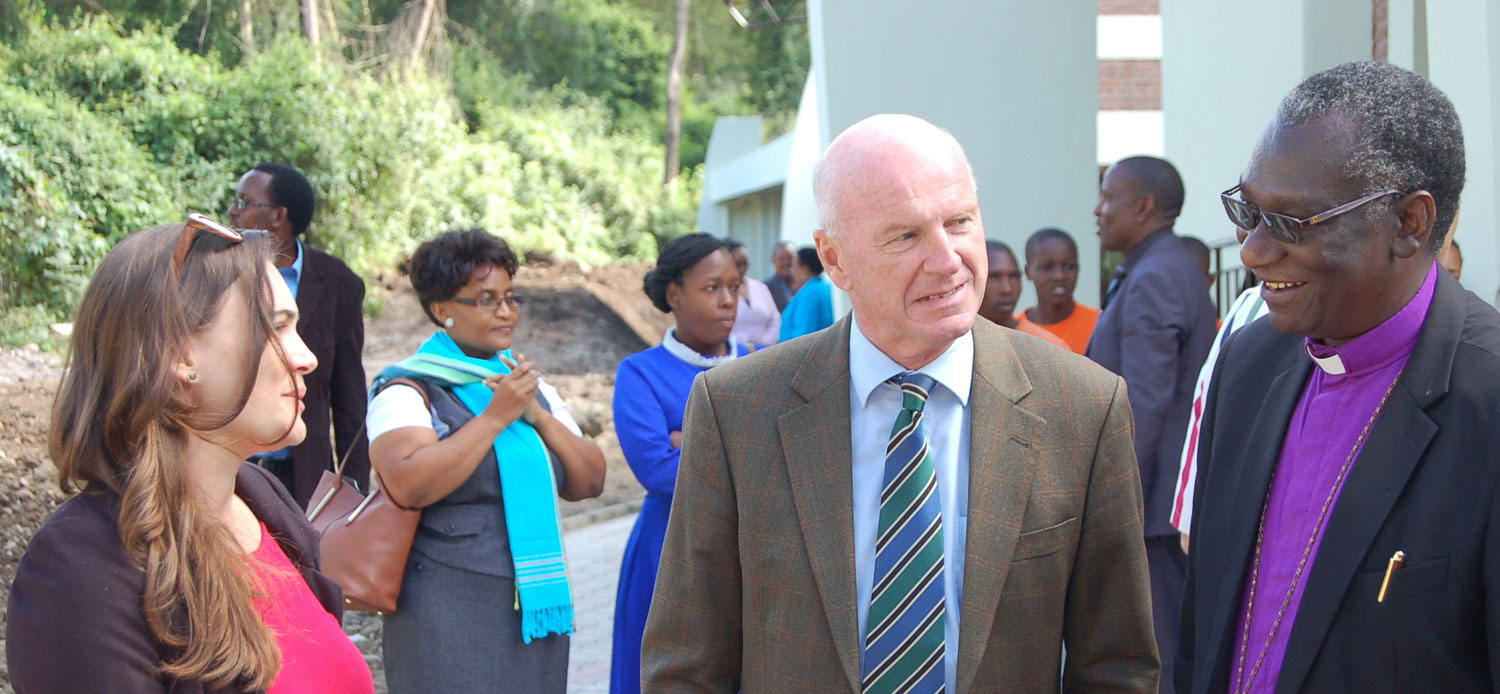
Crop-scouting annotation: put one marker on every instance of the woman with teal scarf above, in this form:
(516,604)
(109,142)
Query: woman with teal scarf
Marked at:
(485,448)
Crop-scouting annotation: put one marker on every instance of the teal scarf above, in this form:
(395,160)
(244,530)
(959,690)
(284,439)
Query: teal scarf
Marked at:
(527,486)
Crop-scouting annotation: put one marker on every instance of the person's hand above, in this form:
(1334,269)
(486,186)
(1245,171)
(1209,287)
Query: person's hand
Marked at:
(534,411)
(514,392)
(676,439)
(1183,538)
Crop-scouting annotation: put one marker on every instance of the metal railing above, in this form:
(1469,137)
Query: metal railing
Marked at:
(1229,280)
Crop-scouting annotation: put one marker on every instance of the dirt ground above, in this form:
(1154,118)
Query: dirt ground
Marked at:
(577,324)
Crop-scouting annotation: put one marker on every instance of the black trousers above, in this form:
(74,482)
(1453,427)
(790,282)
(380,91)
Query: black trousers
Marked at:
(1168,566)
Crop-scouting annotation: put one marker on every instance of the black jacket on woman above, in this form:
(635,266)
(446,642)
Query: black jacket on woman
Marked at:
(75,621)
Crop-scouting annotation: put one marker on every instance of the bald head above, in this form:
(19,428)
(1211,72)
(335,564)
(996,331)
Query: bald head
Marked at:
(872,148)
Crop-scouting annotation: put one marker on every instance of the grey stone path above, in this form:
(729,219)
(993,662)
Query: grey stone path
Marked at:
(594,553)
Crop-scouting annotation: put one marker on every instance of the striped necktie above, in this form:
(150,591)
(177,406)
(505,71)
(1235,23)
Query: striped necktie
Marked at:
(904,643)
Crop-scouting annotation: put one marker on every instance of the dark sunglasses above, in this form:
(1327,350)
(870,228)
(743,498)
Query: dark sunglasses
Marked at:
(1284,228)
(202,223)
(490,302)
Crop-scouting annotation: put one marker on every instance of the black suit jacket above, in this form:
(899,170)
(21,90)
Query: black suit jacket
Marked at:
(1427,483)
(75,622)
(330,298)
(1156,333)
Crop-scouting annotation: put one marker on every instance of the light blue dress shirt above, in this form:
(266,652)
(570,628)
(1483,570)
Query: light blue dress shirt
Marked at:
(873,405)
(293,274)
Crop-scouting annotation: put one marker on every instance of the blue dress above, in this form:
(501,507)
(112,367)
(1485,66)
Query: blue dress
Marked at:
(651,392)
(810,310)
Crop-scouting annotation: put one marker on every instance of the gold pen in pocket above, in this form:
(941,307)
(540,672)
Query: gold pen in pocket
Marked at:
(1397,561)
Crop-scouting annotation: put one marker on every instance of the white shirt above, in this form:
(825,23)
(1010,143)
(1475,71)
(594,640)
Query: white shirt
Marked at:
(1247,309)
(401,406)
(873,406)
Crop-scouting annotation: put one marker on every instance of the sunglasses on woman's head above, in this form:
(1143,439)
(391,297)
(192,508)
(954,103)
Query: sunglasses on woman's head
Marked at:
(1285,228)
(202,223)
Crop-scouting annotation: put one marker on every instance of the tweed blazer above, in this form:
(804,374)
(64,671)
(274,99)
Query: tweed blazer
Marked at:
(756,590)
(330,298)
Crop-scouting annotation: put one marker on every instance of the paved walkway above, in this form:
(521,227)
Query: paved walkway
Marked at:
(594,553)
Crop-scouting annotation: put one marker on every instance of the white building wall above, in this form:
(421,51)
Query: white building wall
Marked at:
(1463,60)
(1218,98)
(1015,81)
(799,212)
(1225,67)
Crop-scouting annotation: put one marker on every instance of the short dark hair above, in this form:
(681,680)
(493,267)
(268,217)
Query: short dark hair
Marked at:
(993,246)
(1159,179)
(808,255)
(675,258)
(1045,234)
(290,189)
(1407,134)
(732,245)
(1200,251)
(443,265)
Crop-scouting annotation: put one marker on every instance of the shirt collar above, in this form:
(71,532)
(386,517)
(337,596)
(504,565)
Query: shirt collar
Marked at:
(686,353)
(1140,249)
(869,367)
(1391,340)
(296,267)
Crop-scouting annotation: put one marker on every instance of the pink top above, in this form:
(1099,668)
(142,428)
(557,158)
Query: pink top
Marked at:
(316,655)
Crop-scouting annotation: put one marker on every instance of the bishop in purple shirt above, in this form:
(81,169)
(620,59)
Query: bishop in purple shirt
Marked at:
(1347,528)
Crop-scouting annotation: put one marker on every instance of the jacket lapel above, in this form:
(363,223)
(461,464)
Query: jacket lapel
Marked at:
(1001,460)
(1390,455)
(1230,545)
(815,442)
(310,292)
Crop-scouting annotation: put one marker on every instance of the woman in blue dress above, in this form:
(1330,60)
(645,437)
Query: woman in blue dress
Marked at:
(697,281)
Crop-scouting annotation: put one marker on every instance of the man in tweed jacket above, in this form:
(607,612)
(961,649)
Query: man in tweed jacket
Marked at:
(765,578)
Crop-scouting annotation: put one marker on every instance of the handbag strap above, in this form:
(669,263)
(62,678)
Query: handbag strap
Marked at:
(338,470)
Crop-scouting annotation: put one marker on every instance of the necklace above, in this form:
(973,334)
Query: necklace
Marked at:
(1241,683)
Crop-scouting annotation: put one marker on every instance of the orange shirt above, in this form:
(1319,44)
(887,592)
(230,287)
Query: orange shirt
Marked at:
(1023,324)
(1075,330)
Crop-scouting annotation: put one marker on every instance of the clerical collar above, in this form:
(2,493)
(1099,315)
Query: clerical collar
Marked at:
(686,353)
(1393,339)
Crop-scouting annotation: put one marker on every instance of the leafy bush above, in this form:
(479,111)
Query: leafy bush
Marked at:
(102,134)
(71,184)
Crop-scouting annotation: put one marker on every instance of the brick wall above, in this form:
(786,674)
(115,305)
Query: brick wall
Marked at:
(1130,85)
(1129,6)
(1379,42)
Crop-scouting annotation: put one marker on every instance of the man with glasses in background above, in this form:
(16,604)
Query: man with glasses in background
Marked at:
(1155,331)
(1347,537)
(330,298)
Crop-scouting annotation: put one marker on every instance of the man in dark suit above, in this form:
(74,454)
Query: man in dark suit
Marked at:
(834,530)
(1155,330)
(330,297)
(780,281)
(1347,531)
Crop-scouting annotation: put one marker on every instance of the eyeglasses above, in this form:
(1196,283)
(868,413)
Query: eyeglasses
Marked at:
(490,302)
(1284,228)
(196,223)
(240,203)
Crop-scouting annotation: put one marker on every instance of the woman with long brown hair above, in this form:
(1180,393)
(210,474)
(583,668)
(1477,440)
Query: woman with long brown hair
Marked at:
(177,566)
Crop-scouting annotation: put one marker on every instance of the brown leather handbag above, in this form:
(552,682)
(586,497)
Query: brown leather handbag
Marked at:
(366,538)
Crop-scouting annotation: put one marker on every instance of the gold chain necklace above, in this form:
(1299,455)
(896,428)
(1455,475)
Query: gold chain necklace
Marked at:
(1242,685)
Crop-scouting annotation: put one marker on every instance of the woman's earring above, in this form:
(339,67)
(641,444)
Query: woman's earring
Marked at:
(192,376)
(448,323)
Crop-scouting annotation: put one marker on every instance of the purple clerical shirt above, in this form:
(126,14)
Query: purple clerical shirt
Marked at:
(1334,409)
